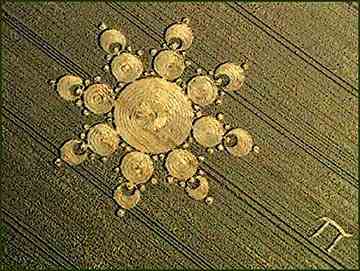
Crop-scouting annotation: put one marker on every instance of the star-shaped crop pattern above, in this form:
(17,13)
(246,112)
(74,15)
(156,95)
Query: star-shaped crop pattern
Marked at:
(155,114)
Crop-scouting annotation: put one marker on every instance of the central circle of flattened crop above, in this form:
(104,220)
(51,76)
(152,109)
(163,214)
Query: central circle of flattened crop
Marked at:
(153,115)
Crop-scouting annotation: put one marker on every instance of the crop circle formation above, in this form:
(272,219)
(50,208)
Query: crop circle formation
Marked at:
(154,114)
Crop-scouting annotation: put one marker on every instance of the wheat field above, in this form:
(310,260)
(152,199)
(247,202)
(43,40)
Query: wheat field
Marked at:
(300,102)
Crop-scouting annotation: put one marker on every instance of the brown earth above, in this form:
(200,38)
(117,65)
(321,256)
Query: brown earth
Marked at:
(300,102)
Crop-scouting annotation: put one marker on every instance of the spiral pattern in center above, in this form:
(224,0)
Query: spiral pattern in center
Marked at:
(153,115)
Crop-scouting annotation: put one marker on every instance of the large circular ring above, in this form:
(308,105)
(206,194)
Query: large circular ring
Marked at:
(153,115)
